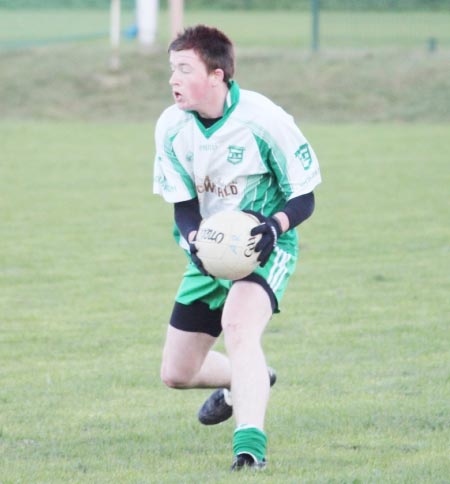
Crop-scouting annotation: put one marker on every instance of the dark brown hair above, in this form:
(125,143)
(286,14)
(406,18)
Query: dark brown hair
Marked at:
(213,47)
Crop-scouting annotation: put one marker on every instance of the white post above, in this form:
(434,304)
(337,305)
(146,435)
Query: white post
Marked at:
(114,34)
(176,17)
(146,19)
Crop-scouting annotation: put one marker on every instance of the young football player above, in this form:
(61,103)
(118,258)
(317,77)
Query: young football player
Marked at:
(220,147)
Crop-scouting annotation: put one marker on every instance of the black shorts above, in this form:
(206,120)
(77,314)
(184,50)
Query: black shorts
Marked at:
(199,318)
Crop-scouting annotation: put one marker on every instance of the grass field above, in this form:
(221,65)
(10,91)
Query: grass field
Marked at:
(371,67)
(250,28)
(88,271)
(72,82)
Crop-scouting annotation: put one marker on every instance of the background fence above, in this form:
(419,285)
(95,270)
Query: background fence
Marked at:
(343,24)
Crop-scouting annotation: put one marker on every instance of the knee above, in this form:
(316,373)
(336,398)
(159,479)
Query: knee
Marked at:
(234,336)
(173,378)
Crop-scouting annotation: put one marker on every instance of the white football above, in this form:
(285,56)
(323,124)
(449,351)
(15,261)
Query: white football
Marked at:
(225,246)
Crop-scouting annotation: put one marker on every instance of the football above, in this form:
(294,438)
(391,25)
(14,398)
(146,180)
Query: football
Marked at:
(225,246)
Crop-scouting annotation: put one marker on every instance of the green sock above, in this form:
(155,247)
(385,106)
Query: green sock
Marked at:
(250,440)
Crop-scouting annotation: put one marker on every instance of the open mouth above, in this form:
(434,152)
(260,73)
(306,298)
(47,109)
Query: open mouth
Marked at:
(176,95)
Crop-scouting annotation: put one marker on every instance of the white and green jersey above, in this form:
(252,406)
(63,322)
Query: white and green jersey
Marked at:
(254,157)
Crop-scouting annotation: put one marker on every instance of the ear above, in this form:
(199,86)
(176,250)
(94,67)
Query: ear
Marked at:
(217,76)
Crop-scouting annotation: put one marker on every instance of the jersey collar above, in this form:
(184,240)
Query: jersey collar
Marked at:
(231,101)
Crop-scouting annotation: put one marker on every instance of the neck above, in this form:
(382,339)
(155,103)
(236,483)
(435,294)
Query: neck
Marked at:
(214,107)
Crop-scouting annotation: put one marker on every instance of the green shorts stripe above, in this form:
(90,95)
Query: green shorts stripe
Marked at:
(279,269)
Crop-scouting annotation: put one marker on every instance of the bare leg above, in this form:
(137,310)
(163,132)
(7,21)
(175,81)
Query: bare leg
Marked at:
(189,362)
(245,316)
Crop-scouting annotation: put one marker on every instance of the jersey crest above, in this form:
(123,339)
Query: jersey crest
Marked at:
(304,155)
(235,154)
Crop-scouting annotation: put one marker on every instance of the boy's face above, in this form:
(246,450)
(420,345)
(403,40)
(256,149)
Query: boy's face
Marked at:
(191,84)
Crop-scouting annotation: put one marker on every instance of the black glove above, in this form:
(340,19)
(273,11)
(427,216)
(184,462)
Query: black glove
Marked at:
(270,230)
(196,259)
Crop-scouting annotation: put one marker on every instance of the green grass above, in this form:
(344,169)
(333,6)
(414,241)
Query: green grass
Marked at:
(88,271)
(264,28)
(352,79)
(72,82)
